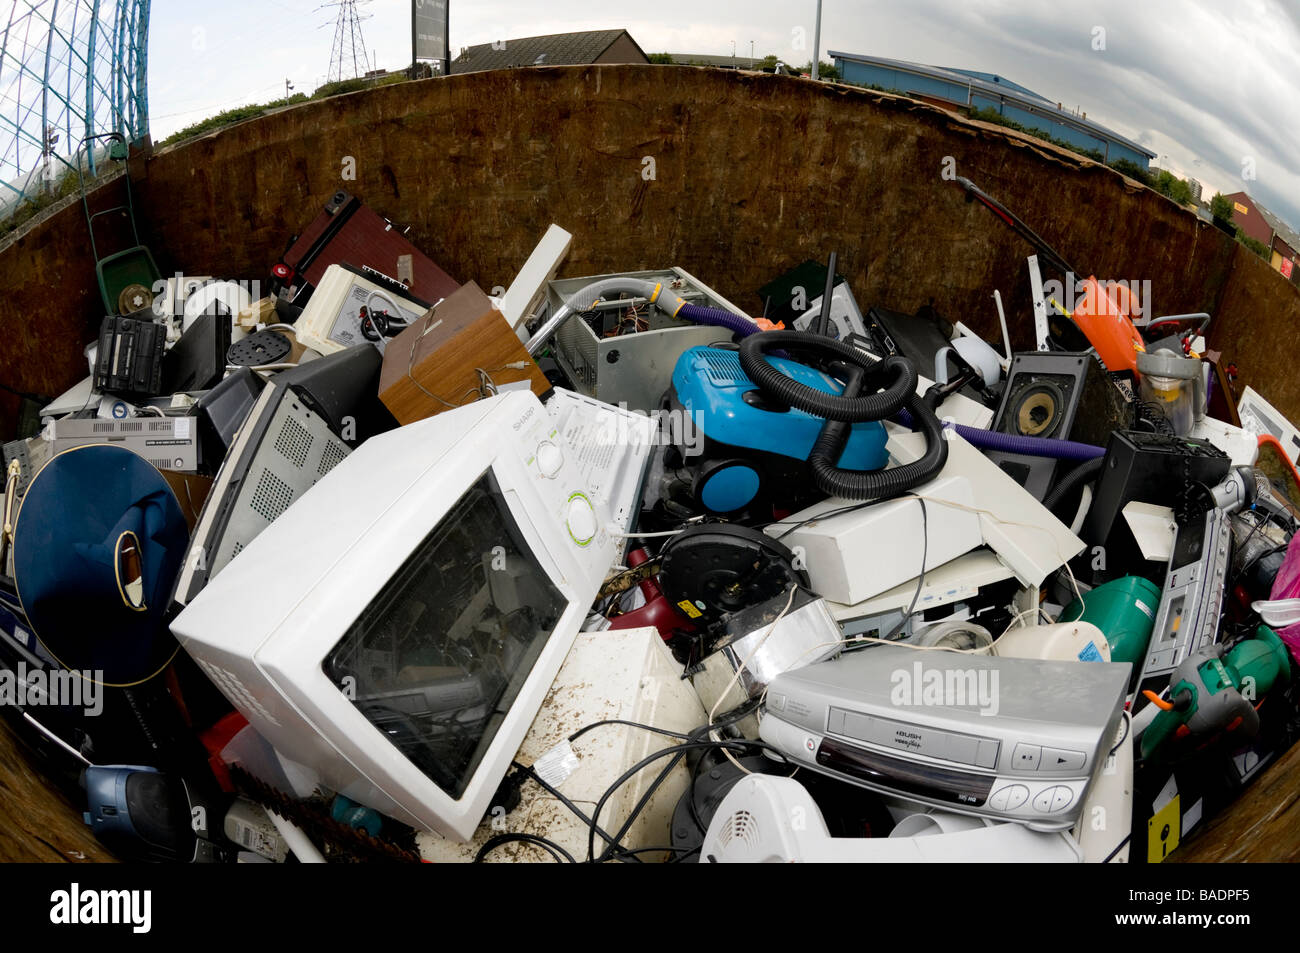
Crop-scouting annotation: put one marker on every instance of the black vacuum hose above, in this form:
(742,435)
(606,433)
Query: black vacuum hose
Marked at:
(1080,474)
(843,410)
(853,409)
(877,484)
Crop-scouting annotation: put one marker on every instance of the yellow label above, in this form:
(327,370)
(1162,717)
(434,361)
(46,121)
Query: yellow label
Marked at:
(1241,208)
(1163,830)
(689,608)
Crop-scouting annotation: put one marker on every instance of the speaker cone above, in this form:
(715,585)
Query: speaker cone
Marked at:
(1039,409)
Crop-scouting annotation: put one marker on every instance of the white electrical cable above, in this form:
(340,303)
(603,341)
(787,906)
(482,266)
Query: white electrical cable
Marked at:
(865,639)
(260,368)
(735,678)
(1140,722)
(57,740)
(671,532)
(395,318)
(1065,563)
(1085,504)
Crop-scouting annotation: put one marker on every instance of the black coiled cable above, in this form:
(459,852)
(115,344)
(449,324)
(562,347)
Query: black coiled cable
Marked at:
(849,407)
(1152,415)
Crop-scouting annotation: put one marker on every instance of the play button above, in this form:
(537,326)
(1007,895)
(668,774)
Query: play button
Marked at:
(1061,759)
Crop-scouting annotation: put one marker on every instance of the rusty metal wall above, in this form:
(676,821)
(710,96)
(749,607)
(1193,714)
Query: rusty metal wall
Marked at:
(49,301)
(733,176)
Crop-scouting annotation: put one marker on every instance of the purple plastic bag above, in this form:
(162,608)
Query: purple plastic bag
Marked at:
(1287,586)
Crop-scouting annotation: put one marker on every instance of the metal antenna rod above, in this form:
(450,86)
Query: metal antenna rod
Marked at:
(824,318)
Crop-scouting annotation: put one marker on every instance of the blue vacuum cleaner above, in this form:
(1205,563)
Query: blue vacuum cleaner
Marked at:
(782,431)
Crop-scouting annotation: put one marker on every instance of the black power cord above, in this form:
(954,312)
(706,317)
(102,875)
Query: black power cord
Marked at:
(676,752)
(622,721)
(920,580)
(555,850)
(684,852)
(530,772)
(614,849)
(820,516)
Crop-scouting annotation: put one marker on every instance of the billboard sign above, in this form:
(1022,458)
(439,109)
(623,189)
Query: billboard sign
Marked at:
(429,26)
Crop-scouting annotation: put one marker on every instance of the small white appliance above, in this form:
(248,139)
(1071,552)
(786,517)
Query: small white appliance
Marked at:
(331,321)
(1261,417)
(767,819)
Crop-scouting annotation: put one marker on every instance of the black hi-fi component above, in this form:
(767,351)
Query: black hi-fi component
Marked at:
(130,357)
(1057,396)
(1146,468)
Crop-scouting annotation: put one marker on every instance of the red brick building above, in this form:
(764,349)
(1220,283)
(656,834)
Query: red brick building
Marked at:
(1262,225)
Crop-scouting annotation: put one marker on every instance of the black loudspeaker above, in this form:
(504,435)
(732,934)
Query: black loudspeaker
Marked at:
(343,389)
(1057,396)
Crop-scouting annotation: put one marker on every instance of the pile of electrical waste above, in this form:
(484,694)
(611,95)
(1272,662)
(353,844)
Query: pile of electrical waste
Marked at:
(378,566)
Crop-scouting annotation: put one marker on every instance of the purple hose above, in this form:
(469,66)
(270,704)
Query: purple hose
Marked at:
(719,318)
(1033,446)
(1007,443)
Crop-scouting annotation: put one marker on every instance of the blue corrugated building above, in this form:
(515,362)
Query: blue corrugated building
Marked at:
(969,88)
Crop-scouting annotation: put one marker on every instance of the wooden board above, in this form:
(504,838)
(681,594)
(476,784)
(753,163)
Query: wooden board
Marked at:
(38,825)
(1262,826)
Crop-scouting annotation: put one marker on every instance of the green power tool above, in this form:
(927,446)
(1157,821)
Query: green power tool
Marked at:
(1213,690)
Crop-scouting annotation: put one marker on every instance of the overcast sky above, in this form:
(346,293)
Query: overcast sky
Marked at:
(1211,86)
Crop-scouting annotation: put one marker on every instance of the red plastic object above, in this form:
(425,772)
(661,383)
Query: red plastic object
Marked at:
(215,739)
(657,611)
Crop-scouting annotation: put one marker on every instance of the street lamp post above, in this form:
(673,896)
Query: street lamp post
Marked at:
(817,41)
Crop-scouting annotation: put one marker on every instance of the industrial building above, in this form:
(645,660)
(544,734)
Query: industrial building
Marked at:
(959,88)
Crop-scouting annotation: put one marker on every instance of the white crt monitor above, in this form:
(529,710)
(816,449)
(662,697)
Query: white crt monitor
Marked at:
(398,627)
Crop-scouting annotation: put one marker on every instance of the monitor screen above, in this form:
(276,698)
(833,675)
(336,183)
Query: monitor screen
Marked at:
(437,658)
